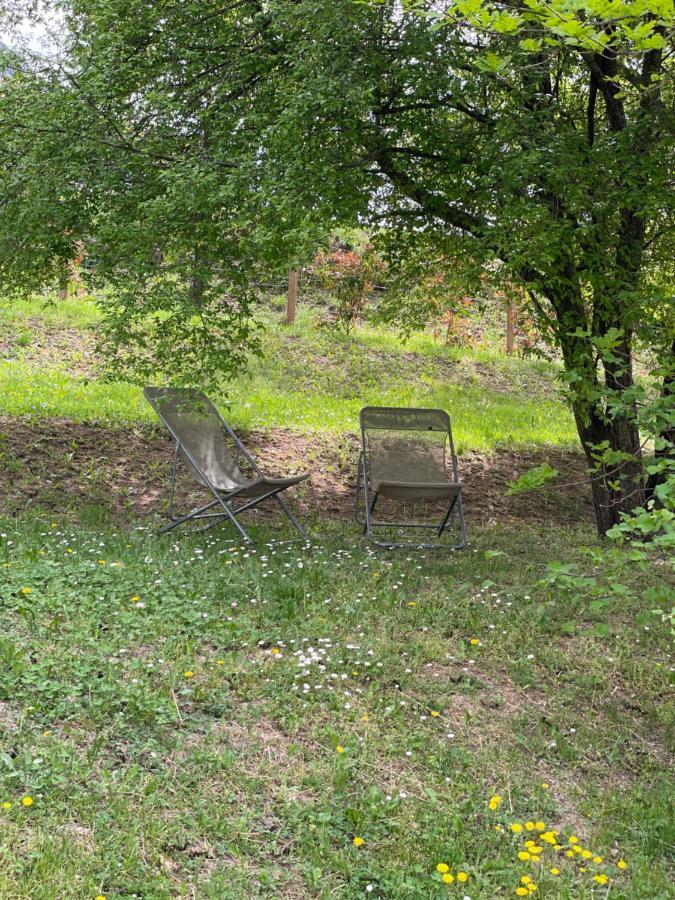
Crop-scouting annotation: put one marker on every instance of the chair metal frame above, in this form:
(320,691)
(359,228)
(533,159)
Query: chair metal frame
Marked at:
(223,499)
(368,522)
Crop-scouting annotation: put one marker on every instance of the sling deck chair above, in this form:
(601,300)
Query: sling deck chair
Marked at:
(403,458)
(204,442)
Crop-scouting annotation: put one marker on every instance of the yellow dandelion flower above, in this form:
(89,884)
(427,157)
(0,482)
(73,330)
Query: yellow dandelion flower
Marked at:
(539,826)
(572,839)
(412,603)
(27,801)
(275,651)
(622,864)
(188,673)
(364,717)
(548,837)
(498,828)
(134,599)
(532,887)
(529,826)
(522,891)
(530,843)
(569,854)
(99,897)
(448,878)
(495,802)
(583,869)
(537,849)
(554,871)
(434,713)
(516,827)
(597,860)
(220,662)
(545,785)
(525,879)
(474,641)
(601,879)
(442,868)
(462,877)
(6,805)
(586,854)
(340,748)
(26,590)
(557,846)
(358,841)
(524,854)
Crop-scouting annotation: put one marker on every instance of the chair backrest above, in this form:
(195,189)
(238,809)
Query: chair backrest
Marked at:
(205,441)
(407,444)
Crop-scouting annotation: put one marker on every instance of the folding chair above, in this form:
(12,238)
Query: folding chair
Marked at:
(205,443)
(403,457)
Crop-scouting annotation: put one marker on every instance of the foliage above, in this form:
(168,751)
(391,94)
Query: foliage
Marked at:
(465,130)
(350,277)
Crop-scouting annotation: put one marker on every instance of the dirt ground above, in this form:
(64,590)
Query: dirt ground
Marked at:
(59,466)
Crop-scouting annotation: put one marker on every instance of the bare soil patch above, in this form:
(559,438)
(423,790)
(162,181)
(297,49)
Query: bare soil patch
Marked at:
(61,466)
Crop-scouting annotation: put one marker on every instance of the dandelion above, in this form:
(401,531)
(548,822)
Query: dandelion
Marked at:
(516,827)
(340,749)
(442,868)
(622,864)
(495,802)
(26,590)
(524,854)
(597,860)
(448,878)
(275,651)
(27,801)
(586,854)
(220,662)
(525,879)
(601,879)
(522,891)
(134,599)
(569,854)
(545,785)
(554,871)
(529,826)
(462,877)
(6,805)
(536,850)
(539,826)
(358,841)
(474,642)
(99,897)
(434,713)
(188,673)
(573,839)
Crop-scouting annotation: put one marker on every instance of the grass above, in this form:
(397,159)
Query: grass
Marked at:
(176,711)
(185,718)
(318,381)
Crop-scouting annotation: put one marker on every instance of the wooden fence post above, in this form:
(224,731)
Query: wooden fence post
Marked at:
(292,297)
(510,325)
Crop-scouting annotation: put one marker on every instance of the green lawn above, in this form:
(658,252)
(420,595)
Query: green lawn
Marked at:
(184,718)
(190,719)
(313,380)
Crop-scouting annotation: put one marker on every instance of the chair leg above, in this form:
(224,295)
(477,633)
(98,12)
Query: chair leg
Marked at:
(446,517)
(298,527)
(174,468)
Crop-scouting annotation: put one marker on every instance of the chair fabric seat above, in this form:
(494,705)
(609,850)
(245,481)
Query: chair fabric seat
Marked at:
(416,490)
(260,486)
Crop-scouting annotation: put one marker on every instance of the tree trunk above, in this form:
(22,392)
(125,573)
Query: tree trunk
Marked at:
(617,483)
